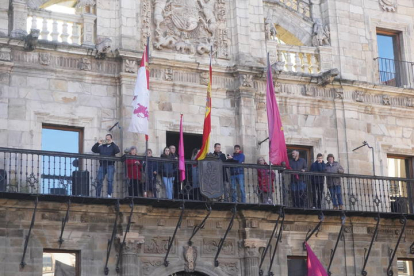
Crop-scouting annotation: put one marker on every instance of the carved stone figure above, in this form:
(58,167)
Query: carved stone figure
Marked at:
(321,34)
(30,41)
(130,66)
(44,58)
(359,96)
(102,47)
(388,5)
(190,26)
(386,100)
(85,64)
(190,257)
(204,78)
(270,29)
(278,67)
(327,77)
(169,74)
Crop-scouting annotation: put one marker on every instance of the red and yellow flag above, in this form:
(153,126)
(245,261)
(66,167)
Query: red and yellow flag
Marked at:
(207,120)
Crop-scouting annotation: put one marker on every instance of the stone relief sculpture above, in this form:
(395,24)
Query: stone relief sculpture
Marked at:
(388,5)
(190,26)
(270,29)
(190,257)
(30,41)
(102,47)
(321,34)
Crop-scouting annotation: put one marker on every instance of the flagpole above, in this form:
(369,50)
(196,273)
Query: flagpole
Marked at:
(146,137)
(270,163)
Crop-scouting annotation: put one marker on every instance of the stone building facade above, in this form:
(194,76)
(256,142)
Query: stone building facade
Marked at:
(79,70)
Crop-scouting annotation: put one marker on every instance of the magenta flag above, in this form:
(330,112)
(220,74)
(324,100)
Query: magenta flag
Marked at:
(277,144)
(181,163)
(315,268)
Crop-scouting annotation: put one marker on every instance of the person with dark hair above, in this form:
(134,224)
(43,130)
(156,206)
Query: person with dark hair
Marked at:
(151,171)
(297,185)
(168,175)
(176,184)
(317,181)
(134,172)
(237,175)
(334,183)
(217,152)
(265,180)
(105,148)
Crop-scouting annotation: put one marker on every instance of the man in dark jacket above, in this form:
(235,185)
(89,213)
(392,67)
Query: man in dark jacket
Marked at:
(297,185)
(334,183)
(237,175)
(105,148)
(317,181)
(226,170)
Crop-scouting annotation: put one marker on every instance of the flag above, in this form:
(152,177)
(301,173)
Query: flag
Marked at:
(140,103)
(315,268)
(181,163)
(277,144)
(207,119)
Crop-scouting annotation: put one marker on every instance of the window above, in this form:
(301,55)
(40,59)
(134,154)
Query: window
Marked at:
(391,67)
(304,152)
(57,171)
(297,266)
(399,166)
(191,141)
(61,262)
(405,267)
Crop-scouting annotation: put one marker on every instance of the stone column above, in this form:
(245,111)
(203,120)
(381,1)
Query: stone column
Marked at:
(88,34)
(19,17)
(129,265)
(252,256)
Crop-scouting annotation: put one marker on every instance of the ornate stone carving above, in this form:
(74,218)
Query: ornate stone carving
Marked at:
(190,26)
(85,3)
(204,78)
(327,77)
(44,58)
(146,20)
(30,41)
(270,29)
(278,67)
(359,96)
(230,268)
(386,100)
(410,102)
(102,47)
(133,245)
(339,94)
(157,245)
(388,5)
(5,54)
(148,265)
(247,80)
(130,66)
(210,247)
(219,224)
(169,74)
(35,4)
(85,64)
(190,257)
(321,34)
(161,222)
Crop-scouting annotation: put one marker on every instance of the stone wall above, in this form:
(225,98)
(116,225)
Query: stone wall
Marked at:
(90,226)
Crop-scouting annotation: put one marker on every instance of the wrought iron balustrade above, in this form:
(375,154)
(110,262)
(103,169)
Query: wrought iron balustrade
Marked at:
(395,73)
(78,175)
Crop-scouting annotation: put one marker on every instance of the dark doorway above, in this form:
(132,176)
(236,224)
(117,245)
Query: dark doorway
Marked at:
(191,141)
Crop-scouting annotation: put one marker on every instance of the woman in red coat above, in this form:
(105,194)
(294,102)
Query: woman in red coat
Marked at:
(265,187)
(134,170)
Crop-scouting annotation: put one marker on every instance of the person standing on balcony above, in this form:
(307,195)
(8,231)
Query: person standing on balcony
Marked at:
(176,184)
(167,173)
(237,175)
(134,170)
(297,185)
(105,148)
(317,181)
(226,171)
(265,184)
(194,175)
(334,183)
(151,171)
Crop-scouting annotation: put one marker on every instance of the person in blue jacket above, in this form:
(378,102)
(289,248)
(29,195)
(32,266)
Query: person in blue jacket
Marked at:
(109,149)
(317,181)
(237,175)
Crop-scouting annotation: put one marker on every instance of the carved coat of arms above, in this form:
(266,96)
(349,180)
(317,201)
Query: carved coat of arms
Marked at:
(211,178)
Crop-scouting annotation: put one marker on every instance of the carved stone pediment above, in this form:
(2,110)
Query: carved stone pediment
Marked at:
(189,26)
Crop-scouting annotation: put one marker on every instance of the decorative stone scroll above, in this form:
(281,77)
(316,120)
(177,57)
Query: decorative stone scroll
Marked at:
(188,26)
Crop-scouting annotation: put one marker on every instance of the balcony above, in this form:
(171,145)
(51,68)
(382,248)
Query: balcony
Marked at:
(56,175)
(395,73)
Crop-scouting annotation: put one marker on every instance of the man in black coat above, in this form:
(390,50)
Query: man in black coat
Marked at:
(317,181)
(105,148)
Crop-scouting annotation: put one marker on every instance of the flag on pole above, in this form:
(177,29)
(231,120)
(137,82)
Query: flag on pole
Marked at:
(207,119)
(140,103)
(277,144)
(181,163)
(315,268)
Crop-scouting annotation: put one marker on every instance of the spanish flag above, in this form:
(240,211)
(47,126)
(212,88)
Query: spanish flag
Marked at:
(207,119)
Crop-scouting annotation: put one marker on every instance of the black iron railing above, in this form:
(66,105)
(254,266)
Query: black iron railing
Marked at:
(84,175)
(396,73)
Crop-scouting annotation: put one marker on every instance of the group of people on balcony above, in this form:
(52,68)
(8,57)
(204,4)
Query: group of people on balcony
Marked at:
(299,184)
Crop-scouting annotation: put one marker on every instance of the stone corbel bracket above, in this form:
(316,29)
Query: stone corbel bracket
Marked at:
(327,77)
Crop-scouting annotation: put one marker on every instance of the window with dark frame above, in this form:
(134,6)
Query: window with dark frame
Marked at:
(399,166)
(61,262)
(405,267)
(297,266)
(304,152)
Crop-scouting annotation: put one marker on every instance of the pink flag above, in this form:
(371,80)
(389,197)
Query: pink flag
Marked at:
(315,268)
(181,163)
(277,144)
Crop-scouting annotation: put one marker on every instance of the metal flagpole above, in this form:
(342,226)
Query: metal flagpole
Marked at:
(270,163)
(146,139)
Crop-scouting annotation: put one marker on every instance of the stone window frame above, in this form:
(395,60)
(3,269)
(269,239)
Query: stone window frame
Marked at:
(295,257)
(77,257)
(80,130)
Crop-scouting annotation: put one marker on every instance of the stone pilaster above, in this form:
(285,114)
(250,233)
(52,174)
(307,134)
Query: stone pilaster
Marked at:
(88,29)
(19,16)
(129,255)
(252,256)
